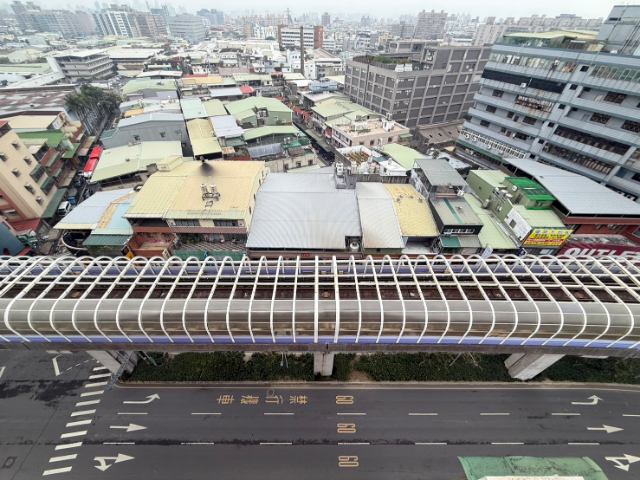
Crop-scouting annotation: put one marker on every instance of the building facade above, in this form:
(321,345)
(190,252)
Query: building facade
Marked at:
(435,89)
(187,26)
(620,30)
(289,36)
(489,32)
(574,109)
(326,19)
(85,64)
(119,20)
(430,25)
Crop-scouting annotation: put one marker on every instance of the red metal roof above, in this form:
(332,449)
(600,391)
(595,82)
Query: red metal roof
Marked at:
(26,225)
(246,90)
(3,123)
(90,166)
(95,153)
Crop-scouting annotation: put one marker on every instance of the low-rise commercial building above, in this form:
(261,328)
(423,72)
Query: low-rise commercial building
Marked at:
(259,111)
(163,127)
(85,65)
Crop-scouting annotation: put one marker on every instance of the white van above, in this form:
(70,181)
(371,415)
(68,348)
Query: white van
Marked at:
(64,208)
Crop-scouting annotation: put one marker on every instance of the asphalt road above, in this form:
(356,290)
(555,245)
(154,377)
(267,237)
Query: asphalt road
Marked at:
(318,431)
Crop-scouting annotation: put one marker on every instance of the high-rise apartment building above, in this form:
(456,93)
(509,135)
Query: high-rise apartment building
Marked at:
(151,25)
(289,36)
(489,32)
(187,26)
(326,19)
(430,25)
(620,30)
(569,107)
(69,24)
(435,86)
(118,20)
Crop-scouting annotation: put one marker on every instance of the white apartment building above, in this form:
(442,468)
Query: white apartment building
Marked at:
(489,33)
(187,26)
(119,20)
(290,36)
(84,64)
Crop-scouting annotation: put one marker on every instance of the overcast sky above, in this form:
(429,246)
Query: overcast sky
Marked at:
(389,9)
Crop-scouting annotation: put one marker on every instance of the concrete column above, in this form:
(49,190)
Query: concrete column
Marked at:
(112,359)
(526,366)
(323,364)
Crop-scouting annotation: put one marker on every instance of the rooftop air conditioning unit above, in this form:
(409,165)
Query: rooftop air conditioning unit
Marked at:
(488,147)
(466,135)
(523,85)
(514,188)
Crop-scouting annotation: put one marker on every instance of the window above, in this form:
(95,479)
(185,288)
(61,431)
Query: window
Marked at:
(540,140)
(521,136)
(600,118)
(136,138)
(597,227)
(226,223)
(573,87)
(27,160)
(551,125)
(498,93)
(372,143)
(529,120)
(631,126)
(163,134)
(512,223)
(491,109)
(187,223)
(614,97)
(29,188)
(561,107)
(484,123)
(362,143)
(16,145)
(16,172)
(510,115)
(584,68)
(531,155)
(503,130)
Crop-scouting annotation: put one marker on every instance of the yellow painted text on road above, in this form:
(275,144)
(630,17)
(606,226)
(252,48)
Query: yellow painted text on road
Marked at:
(346,428)
(344,400)
(348,461)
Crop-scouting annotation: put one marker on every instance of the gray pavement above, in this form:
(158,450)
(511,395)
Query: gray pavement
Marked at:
(315,431)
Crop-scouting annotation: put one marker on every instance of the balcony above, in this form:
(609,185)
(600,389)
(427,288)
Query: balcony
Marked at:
(572,166)
(579,147)
(532,72)
(505,122)
(498,102)
(518,90)
(593,128)
(498,137)
(620,86)
(624,184)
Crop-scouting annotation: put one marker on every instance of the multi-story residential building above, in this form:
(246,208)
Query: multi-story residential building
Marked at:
(620,30)
(489,32)
(435,87)
(213,16)
(326,19)
(118,20)
(569,107)
(26,190)
(150,25)
(64,22)
(187,26)
(352,130)
(85,64)
(289,36)
(402,30)
(430,25)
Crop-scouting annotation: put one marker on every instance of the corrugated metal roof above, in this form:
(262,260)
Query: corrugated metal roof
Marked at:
(460,241)
(316,217)
(225,92)
(492,233)
(404,156)
(380,226)
(271,104)
(226,126)
(440,172)
(254,133)
(578,194)
(87,214)
(192,108)
(454,211)
(540,218)
(102,240)
(210,80)
(214,108)
(412,210)
(202,139)
(150,117)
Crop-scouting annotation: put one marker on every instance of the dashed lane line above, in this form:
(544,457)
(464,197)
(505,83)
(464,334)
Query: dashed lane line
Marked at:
(89,402)
(83,412)
(96,369)
(73,434)
(276,443)
(135,413)
(431,443)
(629,415)
(507,443)
(206,413)
(118,443)
(202,443)
(56,470)
(423,414)
(89,394)
(349,413)
(566,414)
(582,443)
(65,446)
(278,413)
(63,458)
(78,423)
(98,384)
(354,443)
(494,414)
(101,375)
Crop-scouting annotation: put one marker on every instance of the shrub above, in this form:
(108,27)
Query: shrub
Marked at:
(342,366)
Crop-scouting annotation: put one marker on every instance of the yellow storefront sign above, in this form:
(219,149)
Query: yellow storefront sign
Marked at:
(548,237)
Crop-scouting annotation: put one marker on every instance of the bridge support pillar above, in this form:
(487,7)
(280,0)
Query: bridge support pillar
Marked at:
(525,366)
(112,359)
(323,364)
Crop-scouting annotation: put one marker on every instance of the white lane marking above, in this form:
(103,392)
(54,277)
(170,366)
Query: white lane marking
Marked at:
(197,443)
(565,414)
(55,366)
(90,402)
(132,427)
(2,371)
(118,443)
(83,412)
(78,423)
(102,375)
(103,461)
(629,415)
(95,369)
(63,458)
(349,413)
(582,443)
(73,434)
(132,413)
(277,413)
(149,399)
(99,384)
(275,443)
(68,445)
(56,470)
(507,443)
(422,414)
(494,414)
(354,443)
(205,413)
(606,428)
(69,368)
(431,443)
(593,398)
(618,461)
(89,394)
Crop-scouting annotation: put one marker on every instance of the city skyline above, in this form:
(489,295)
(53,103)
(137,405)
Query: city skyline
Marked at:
(497,8)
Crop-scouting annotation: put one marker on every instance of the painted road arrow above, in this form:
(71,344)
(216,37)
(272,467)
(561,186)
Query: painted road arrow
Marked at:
(55,366)
(593,398)
(150,399)
(618,461)
(132,427)
(2,371)
(607,428)
(103,461)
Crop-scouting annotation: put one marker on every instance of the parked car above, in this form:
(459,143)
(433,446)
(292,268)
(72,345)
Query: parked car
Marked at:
(63,209)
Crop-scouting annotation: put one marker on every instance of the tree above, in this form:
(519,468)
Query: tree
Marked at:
(380,47)
(270,38)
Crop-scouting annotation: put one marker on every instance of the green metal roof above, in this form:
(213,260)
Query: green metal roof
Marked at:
(491,233)
(531,189)
(460,241)
(274,130)
(553,34)
(52,160)
(52,137)
(404,156)
(72,152)
(479,467)
(100,240)
(214,108)
(145,83)
(326,110)
(271,104)
(50,211)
